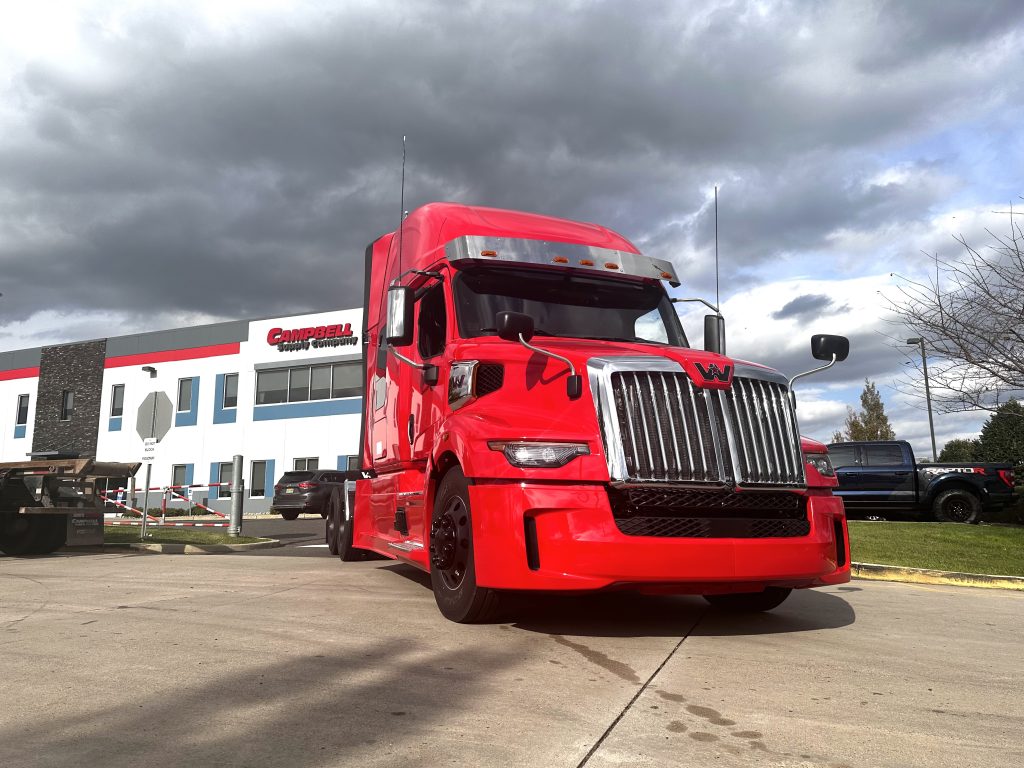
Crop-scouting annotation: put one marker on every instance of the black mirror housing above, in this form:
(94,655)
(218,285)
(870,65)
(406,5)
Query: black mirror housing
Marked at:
(824,347)
(399,324)
(512,325)
(714,334)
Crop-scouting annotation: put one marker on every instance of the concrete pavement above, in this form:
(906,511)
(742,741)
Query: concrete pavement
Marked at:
(259,660)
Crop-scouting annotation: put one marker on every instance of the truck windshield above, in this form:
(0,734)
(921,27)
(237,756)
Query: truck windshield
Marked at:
(567,304)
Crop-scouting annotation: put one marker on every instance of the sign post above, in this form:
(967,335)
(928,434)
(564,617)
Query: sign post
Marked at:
(152,423)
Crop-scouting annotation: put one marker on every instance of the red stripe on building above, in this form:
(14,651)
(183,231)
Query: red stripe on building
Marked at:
(19,373)
(171,355)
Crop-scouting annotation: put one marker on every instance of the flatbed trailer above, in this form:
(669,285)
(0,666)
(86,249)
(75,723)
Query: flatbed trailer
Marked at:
(51,503)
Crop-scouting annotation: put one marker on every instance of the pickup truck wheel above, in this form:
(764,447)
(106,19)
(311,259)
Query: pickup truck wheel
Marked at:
(957,506)
(452,567)
(333,524)
(291,515)
(750,602)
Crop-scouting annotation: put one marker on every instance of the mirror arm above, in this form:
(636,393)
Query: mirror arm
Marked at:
(407,361)
(707,304)
(566,360)
(813,370)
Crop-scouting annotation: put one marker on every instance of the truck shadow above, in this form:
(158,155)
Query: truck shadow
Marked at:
(630,614)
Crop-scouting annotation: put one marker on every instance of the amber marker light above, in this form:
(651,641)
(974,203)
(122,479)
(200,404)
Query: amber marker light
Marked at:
(560,260)
(586,263)
(492,254)
(666,276)
(610,265)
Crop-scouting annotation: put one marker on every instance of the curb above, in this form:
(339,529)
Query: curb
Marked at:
(197,549)
(928,576)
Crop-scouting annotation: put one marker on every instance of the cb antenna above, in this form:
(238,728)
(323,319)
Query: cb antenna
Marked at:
(718,300)
(401,209)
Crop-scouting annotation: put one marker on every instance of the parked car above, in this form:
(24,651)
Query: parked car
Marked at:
(305,491)
(881,477)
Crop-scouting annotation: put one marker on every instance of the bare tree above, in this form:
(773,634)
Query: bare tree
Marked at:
(971,318)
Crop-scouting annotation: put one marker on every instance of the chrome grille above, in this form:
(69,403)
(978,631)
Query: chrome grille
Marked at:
(659,427)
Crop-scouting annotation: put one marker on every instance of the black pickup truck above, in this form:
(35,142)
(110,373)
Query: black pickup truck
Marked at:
(881,477)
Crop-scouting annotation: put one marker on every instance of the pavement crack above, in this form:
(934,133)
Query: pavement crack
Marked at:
(632,701)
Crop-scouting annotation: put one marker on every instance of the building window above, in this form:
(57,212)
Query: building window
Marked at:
(271,387)
(67,405)
(353,463)
(258,479)
(226,475)
(22,416)
(307,465)
(230,390)
(298,385)
(179,474)
(117,400)
(184,395)
(304,383)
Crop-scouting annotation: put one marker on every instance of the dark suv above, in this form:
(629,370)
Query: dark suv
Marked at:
(305,491)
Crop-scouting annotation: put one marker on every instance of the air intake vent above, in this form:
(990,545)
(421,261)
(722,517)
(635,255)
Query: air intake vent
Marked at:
(489,378)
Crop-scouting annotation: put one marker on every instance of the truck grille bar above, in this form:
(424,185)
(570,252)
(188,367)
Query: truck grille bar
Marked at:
(659,427)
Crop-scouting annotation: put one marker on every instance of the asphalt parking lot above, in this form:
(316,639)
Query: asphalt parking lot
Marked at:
(290,658)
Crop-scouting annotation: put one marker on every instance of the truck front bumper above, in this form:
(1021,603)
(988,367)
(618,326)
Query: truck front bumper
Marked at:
(579,546)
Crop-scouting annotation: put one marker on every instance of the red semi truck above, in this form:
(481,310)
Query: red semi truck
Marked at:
(535,419)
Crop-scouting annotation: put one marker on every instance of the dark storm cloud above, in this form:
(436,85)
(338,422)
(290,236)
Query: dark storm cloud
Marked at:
(808,306)
(244,175)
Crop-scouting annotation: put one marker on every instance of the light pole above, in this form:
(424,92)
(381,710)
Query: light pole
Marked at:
(927,393)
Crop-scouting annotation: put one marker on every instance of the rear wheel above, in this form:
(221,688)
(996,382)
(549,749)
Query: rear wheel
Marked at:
(957,506)
(750,602)
(290,515)
(346,551)
(452,567)
(333,523)
(32,534)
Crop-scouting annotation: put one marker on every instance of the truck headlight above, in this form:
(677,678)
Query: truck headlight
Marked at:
(462,383)
(821,462)
(529,454)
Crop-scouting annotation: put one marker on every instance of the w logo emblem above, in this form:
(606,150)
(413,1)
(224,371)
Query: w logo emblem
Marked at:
(714,373)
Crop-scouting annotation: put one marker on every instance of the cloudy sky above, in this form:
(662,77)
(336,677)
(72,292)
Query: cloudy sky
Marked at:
(175,163)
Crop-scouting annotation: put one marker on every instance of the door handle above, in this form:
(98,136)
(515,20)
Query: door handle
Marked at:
(411,423)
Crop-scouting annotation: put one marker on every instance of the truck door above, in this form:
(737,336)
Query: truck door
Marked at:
(426,400)
(889,473)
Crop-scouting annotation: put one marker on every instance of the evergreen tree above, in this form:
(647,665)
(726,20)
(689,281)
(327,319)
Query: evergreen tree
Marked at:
(1002,437)
(959,450)
(870,423)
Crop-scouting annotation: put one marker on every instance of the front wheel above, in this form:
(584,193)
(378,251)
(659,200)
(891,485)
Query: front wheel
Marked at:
(32,534)
(750,602)
(957,506)
(452,567)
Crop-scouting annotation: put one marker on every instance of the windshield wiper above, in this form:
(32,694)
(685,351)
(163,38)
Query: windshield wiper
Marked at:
(536,331)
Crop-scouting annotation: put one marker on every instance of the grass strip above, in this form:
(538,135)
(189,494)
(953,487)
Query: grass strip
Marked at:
(130,535)
(989,549)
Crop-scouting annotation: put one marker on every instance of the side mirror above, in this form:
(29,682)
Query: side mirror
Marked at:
(399,327)
(824,346)
(512,325)
(714,334)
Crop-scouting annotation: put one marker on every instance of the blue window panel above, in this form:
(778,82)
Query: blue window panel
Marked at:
(214,478)
(190,474)
(305,410)
(342,463)
(190,418)
(115,424)
(19,431)
(221,415)
(268,483)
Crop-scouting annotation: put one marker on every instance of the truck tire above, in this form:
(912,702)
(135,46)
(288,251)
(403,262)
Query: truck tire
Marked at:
(33,534)
(346,551)
(290,515)
(750,602)
(452,568)
(957,506)
(333,523)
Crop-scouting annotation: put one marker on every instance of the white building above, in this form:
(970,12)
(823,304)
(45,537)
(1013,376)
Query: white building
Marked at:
(283,392)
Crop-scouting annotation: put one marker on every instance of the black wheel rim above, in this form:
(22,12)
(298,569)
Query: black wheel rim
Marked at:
(958,510)
(449,543)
